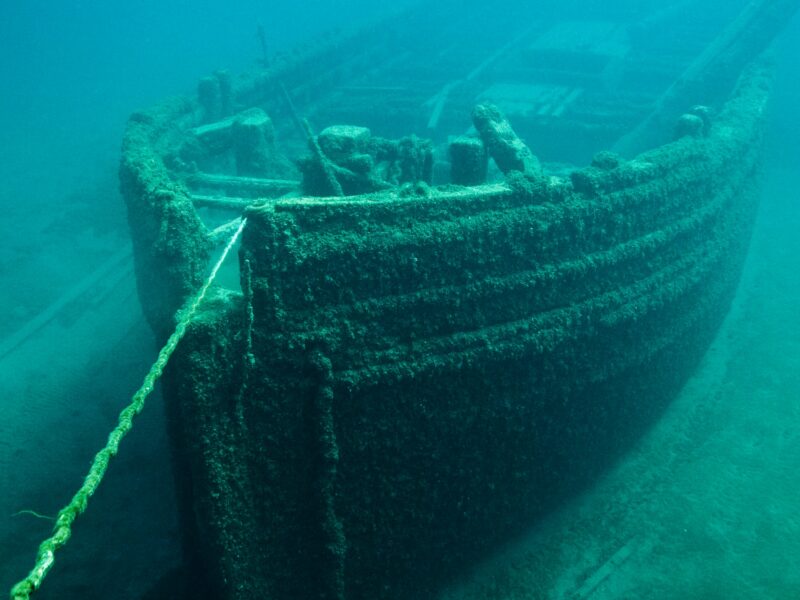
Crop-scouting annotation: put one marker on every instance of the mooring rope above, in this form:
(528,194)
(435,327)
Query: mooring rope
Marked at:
(62,530)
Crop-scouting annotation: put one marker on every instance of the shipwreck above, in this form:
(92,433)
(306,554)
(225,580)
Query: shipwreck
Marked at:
(472,272)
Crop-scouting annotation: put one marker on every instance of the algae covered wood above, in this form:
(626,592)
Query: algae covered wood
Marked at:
(416,368)
(489,350)
(171,247)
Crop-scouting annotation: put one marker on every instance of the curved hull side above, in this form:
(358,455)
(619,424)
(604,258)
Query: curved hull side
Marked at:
(417,379)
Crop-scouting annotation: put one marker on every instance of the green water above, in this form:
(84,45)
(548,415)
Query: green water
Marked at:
(705,506)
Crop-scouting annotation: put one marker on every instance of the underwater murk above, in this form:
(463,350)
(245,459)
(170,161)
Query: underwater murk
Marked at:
(449,300)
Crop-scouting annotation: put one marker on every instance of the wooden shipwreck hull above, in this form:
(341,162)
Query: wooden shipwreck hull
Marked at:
(408,377)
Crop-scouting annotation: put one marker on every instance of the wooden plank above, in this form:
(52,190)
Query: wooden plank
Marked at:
(223,202)
(117,261)
(213,128)
(243,187)
(440,98)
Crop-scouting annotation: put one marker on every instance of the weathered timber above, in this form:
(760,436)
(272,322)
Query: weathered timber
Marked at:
(244,187)
(469,390)
(713,72)
(508,151)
